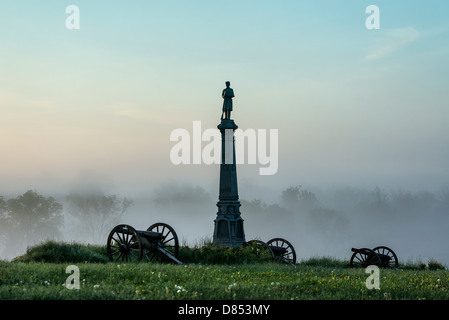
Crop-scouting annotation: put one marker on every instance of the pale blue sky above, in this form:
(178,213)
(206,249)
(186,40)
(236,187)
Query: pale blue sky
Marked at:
(352,106)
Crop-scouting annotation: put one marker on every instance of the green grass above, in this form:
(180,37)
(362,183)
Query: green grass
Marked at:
(28,277)
(246,281)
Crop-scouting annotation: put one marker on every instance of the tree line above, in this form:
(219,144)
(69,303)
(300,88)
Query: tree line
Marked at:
(30,217)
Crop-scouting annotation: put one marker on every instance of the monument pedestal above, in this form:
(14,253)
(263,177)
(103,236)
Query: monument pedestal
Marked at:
(228,229)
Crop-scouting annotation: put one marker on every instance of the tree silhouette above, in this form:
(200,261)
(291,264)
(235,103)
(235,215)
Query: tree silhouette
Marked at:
(3,209)
(3,226)
(296,199)
(96,213)
(29,218)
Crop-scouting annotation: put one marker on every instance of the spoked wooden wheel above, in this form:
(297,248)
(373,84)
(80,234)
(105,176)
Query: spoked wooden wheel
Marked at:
(169,242)
(124,244)
(260,249)
(363,258)
(387,256)
(283,250)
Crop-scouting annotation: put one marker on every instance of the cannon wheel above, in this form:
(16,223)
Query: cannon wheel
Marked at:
(260,249)
(393,263)
(124,244)
(169,242)
(289,256)
(363,258)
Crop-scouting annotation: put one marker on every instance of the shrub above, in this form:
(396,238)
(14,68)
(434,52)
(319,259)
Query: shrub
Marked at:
(211,254)
(58,252)
(435,265)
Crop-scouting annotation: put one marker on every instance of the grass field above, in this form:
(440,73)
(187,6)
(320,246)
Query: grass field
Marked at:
(323,279)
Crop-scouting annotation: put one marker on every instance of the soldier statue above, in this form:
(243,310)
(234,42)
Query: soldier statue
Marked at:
(227,95)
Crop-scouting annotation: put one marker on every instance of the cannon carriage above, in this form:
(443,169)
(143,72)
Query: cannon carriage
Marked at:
(158,243)
(382,257)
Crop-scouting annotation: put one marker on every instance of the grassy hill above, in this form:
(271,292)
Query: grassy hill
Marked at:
(41,274)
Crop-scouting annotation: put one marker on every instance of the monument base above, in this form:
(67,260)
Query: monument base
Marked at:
(228,231)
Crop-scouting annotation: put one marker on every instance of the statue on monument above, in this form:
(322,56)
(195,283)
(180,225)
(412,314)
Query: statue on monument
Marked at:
(227,95)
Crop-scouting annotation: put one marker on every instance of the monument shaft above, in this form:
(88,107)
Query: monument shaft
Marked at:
(228,230)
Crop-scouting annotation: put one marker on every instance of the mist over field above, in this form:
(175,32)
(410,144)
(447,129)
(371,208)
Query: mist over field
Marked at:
(318,221)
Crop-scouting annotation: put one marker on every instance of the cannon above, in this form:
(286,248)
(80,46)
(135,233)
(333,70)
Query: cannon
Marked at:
(277,249)
(381,256)
(158,243)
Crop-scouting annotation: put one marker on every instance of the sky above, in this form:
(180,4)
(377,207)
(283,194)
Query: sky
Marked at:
(352,106)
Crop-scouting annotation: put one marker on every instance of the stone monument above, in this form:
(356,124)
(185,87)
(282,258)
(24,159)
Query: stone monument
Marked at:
(228,229)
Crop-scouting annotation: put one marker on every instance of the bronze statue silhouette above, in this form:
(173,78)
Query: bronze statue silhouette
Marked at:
(227,95)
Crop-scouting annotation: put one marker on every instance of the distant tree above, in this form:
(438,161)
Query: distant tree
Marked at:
(3,210)
(96,213)
(258,208)
(378,202)
(261,217)
(296,199)
(254,206)
(444,198)
(29,218)
(290,197)
(378,196)
(408,203)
